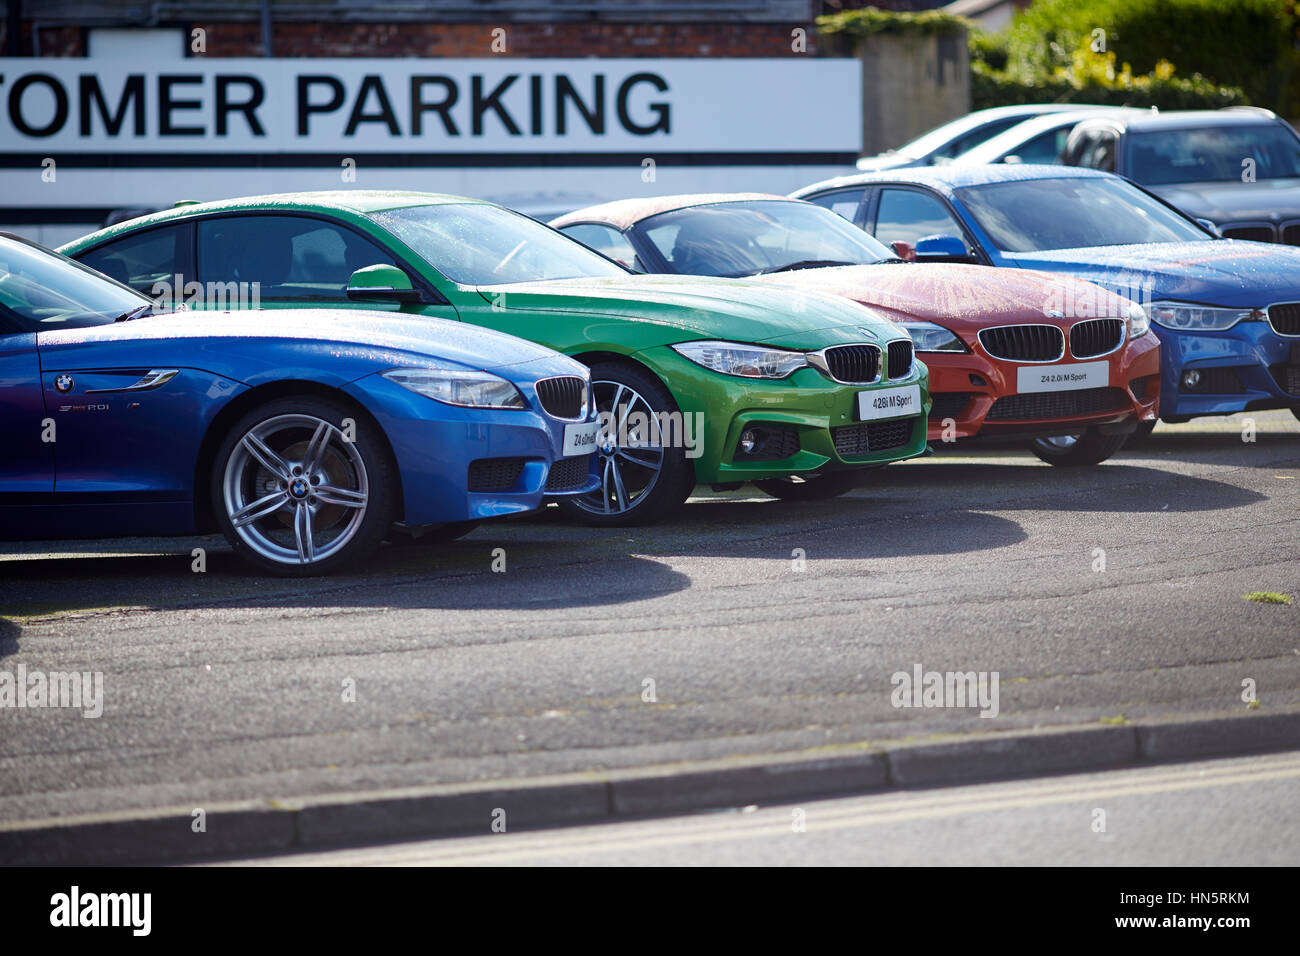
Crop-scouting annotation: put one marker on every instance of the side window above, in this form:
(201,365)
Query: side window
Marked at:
(842,202)
(1044,148)
(606,240)
(975,137)
(910,215)
(292,258)
(143,259)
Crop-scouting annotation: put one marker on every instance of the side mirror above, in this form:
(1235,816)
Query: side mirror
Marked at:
(1210,227)
(382,283)
(942,249)
(904,250)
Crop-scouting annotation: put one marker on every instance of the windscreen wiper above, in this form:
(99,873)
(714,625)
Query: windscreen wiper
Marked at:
(135,313)
(806,264)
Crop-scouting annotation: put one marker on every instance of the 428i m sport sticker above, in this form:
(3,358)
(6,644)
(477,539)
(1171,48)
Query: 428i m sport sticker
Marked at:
(889,403)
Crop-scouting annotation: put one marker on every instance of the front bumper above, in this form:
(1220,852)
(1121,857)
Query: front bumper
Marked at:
(436,446)
(1244,368)
(966,387)
(820,414)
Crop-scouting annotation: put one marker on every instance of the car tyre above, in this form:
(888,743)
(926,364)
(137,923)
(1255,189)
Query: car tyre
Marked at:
(640,481)
(1089,448)
(293,496)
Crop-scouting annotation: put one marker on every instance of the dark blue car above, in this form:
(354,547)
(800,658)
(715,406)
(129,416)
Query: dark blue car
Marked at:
(306,437)
(1227,312)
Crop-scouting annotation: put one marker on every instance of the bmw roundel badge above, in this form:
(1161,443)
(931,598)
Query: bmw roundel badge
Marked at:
(63,383)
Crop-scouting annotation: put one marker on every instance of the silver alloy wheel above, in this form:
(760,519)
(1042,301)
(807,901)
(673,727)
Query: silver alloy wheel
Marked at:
(295,492)
(1058,442)
(631,450)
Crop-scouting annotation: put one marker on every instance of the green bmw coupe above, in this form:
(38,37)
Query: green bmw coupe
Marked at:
(718,381)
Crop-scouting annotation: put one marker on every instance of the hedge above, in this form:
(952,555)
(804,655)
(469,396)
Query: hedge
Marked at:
(841,31)
(870,21)
(1247,44)
(1046,53)
(995,88)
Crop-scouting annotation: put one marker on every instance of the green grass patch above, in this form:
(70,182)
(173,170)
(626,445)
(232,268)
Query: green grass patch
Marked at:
(1267,597)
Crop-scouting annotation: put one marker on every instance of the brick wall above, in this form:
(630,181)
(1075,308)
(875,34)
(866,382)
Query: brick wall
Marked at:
(55,40)
(572,39)
(521,39)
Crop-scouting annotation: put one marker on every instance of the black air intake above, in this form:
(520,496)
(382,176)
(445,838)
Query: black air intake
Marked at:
(853,363)
(900,358)
(563,397)
(1024,343)
(1096,337)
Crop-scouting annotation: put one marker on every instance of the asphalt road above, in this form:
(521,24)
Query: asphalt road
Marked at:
(1239,812)
(219,686)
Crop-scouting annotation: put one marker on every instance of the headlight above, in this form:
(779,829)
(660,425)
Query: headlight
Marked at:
(459,387)
(747,361)
(1196,318)
(928,337)
(1138,321)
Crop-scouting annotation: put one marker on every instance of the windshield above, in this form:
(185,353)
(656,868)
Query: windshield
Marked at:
(42,290)
(1213,154)
(476,244)
(1038,215)
(755,236)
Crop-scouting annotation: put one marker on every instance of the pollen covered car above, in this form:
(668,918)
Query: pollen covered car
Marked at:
(696,379)
(1061,362)
(305,438)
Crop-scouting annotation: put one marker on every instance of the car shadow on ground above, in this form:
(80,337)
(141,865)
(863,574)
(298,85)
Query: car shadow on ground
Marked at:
(541,563)
(1110,487)
(846,528)
(9,632)
(458,575)
(1213,448)
(552,562)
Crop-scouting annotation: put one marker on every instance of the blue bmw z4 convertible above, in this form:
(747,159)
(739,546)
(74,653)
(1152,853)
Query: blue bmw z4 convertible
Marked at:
(1226,311)
(305,437)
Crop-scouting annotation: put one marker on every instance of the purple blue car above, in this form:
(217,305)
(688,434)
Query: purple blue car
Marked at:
(306,437)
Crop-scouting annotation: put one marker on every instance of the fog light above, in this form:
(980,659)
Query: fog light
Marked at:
(748,441)
(1191,378)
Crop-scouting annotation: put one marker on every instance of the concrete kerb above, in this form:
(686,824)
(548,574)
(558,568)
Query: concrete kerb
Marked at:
(250,828)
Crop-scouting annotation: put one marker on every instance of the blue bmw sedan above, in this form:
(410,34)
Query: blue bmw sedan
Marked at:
(1227,311)
(305,437)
